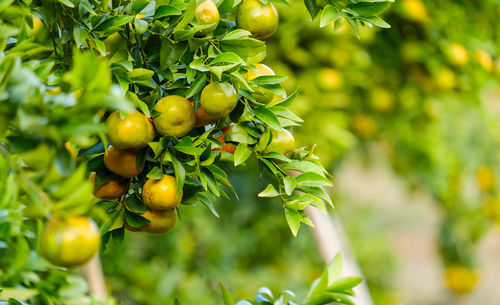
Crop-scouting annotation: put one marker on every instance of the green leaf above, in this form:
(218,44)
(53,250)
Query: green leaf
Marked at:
(134,220)
(285,113)
(286,102)
(166,10)
(155,173)
(79,34)
(277,156)
(113,24)
(334,269)
(244,47)
(197,85)
(187,16)
(312,179)
(241,154)
(140,74)
(293,220)
(368,8)
(180,174)
(269,79)
(328,15)
(267,117)
(134,204)
(68,3)
(376,21)
(290,183)
(226,296)
(312,8)
(269,191)
(343,284)
(207,201)
(171,53)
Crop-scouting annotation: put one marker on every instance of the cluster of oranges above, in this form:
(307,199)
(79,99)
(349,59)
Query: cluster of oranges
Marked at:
(129,133)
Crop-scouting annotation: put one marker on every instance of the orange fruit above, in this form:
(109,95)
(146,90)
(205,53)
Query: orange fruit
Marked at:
(218,99)
(113,189)
(207,13)
(259,19)
(69,242)
(122,162)
(131,131)
(177,116)
(203,118)
(161,194)
(230,148)
(282,142)
(160,221)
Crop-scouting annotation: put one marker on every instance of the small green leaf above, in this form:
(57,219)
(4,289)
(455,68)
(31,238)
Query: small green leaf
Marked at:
(207,201)
(79,34)
(328,15)
(312,179)
(134,220)
(197,85)
(269,191)
(267,117)
(134,204)
(226,296)
(290,184)
(166,10)
(293,220)
(241,154)
(155,173)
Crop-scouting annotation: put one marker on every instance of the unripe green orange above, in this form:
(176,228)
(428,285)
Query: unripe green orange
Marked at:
(177,116)
(70,242)
(207,13)
(259,19)
(161,194)
(218,99)
(282,142)
(131,131)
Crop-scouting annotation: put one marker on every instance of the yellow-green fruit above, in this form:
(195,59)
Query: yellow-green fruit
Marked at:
(151,131)
(160,221)
(70,242)
(131,131)
(259,19)
(461,279)
(218,99)
(262,95)
(382,99)
(122,162)
(177,116)
(282,142)
(161,194)
(207,13)
(457,54)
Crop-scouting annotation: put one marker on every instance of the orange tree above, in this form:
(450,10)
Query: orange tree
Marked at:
(122,112)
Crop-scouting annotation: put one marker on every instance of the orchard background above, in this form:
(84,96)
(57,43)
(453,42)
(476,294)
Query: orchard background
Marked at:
(405,117)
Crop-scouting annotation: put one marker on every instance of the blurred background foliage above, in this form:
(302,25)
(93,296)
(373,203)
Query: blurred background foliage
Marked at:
(423,95)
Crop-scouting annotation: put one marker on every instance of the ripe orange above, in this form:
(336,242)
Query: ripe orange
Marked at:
(218,99)
(207,13)
(177,116)
(131,131)
(160,194)
(259,19)
(203,118)
(110,190)
(70,242)
(282,142)
(122,162)
(160,221)
(230,148)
